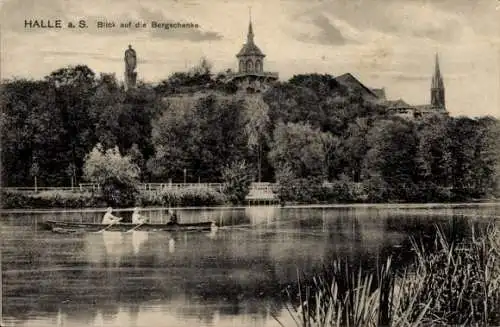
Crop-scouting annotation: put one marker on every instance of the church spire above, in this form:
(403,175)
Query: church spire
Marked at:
(437,80)
(437,87)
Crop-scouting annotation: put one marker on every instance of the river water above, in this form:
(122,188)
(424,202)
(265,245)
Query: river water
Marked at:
(234,277)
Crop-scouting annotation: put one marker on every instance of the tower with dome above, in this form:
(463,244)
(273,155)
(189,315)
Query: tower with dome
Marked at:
(251,76)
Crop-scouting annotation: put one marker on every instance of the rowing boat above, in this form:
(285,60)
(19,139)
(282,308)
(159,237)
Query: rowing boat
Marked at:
(58,226)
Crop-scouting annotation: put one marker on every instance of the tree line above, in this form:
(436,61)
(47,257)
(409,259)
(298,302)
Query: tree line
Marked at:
(193,126)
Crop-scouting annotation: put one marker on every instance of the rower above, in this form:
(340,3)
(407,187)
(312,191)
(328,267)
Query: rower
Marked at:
(109,218)
(137,218)
(173,217)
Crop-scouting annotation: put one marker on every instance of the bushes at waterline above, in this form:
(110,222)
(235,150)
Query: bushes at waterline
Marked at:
(50,199)
(195,196)
(118,193)
(449,285)
(75,200)
(374,190)
(311,191)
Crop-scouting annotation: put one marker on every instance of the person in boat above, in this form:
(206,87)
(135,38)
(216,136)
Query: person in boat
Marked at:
(138,218)
(173,217)
(109,218)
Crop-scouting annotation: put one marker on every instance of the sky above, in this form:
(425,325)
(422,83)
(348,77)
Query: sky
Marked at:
(390,44)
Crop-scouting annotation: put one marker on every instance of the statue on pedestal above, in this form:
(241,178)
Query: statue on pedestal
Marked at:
(130,65)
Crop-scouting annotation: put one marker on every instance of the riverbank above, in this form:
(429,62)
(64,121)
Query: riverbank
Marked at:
(183,199)
(79,200)
(450,283)
(402,206)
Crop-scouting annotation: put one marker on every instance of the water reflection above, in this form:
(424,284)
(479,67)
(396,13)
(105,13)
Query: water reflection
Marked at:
(138,239)
(171,244)
(112,247)
(228,277)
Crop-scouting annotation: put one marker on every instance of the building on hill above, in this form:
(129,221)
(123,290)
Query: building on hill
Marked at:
(436,107)
(352,83)
(400,107)
(251,76)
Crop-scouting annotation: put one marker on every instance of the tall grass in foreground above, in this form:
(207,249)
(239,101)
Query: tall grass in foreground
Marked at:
(452,284)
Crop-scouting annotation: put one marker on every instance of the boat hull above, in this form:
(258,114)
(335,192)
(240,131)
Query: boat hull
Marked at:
(58,226)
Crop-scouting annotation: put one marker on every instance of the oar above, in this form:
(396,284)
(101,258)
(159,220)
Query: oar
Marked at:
(105,228)
(134,228)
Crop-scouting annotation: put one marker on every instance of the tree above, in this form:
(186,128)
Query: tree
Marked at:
(32,126)
(294,104)
(257,129)
(463,134)
(222,131)
(116,174)
(493,152)
(123,119)
(199,77)
(351,151)
(390,159)
(330,143)
(486,157)
(323,85)
(137,158)
(74,88)
(434,159)
(300,147)
(175,136)
(237,178)
(107,105)
(203,135)
(204,67)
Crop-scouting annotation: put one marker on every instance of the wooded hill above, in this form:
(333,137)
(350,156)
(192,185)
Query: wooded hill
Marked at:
(308,129)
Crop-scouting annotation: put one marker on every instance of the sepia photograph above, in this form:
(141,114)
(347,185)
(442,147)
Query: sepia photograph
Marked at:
(253,163)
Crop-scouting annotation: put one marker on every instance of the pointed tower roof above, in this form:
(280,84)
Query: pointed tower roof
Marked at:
(249,48)
(250,32)
(437,79)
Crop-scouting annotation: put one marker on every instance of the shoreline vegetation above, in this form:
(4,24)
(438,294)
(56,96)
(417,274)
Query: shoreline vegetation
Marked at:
(452,282)
(189,197)
(75,126)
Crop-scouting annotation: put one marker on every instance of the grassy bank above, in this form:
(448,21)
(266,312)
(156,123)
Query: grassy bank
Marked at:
(75,200)
(450,284)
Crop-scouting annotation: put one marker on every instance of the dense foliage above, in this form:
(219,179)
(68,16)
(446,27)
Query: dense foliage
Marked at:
(116,175)
(237,179)
(191,126)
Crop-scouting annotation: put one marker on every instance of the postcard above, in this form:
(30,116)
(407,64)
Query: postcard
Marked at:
(250,163)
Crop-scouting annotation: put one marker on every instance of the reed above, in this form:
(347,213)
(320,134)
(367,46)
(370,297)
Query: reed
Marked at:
(447,285)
